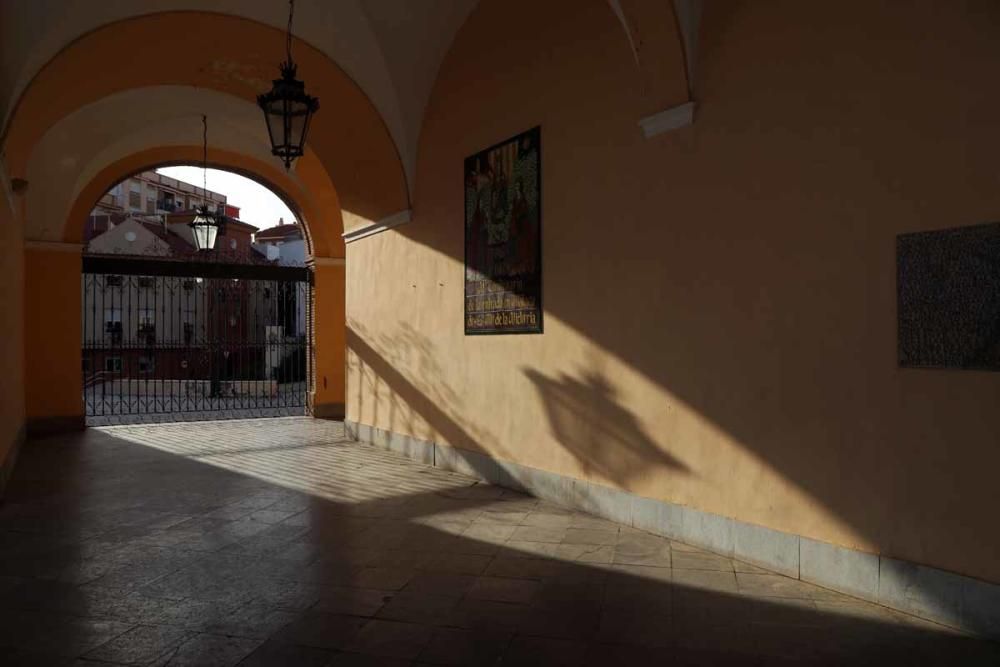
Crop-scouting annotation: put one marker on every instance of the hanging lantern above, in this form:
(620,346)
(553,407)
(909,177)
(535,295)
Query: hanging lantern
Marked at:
(287,108)
(205,226)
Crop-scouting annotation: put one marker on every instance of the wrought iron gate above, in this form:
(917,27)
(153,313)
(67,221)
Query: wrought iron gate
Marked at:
(168,341)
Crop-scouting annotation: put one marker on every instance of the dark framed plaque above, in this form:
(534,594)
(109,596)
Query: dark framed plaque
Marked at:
(503,237)
(948,285)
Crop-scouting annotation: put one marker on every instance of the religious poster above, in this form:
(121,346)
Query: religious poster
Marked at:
(503,249)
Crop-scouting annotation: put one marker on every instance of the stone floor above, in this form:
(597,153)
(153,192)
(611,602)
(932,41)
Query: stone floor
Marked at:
(276,542)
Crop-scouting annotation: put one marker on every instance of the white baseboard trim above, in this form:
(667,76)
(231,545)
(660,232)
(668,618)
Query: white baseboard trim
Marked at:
(951,599)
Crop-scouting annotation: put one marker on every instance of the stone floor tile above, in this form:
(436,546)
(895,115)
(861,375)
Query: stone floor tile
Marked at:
(692,560)
(419,608)
(350,659)
(438,583)
(629,574)
(352,601)
(541,519)
(590,522)
(538,534)
(489,532)
(455,646)
(277,654)
(383,578)
(708,580)
(211,651)
(63,635)
(503,589)
(774,586)
(612,655)
(10,657)
(499,514)
(545,652)
(558,595)
(524,568)
(740,566)
(328,631)
(527,549)
(391,639)
(585,553)
(641,629)
(457,563)
(576,535)
(140,645)
(580,622)
(255,620)
(488,614)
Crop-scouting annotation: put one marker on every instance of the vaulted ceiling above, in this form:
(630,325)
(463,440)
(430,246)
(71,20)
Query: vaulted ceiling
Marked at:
(390,48)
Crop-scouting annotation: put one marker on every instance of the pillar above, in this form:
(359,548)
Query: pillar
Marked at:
(53,382)
(330,344)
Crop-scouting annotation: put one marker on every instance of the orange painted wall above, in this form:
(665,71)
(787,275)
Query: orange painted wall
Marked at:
(53,383)
(329,350)
(12,336)
(720,300)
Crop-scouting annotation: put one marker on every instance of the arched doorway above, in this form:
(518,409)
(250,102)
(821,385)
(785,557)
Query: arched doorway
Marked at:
(175,332)
(72,145)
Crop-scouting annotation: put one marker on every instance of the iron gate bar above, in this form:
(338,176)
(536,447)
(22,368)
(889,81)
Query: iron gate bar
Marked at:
(194,269)
(172,340)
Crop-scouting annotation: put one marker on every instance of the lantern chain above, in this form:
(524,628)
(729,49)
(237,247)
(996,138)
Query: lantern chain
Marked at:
(288,32)
(204,155)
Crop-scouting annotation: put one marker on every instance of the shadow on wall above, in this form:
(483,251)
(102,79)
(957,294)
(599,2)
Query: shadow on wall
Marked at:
(588,420)
(584,415)
(411,407)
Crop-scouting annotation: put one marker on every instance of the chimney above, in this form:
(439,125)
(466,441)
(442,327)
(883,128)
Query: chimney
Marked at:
(281,221)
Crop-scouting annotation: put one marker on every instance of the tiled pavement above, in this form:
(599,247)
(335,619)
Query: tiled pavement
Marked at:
(275,542)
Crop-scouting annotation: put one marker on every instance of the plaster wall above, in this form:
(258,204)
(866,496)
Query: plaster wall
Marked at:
(720,300)
(12,347)
(53,383)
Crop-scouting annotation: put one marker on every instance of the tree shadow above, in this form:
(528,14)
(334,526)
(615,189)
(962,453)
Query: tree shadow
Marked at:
(589,421)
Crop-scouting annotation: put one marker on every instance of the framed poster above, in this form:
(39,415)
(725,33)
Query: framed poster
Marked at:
(503,237)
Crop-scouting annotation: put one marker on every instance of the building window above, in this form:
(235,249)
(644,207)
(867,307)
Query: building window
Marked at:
(135,200)
(113,364)
(150,206)
(146,282)
(147,326)
(113,325)
(112,281)
(147,364)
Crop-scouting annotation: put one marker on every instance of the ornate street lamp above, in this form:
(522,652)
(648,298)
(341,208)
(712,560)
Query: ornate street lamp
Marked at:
(287,108)
(205,225)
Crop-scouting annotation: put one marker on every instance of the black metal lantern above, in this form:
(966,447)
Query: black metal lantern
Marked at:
(287,108)
(205,229)
(205,226)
